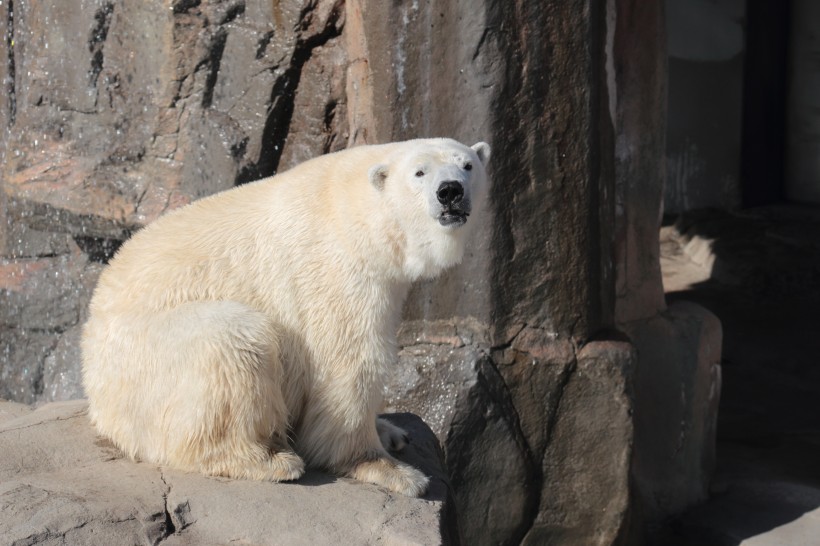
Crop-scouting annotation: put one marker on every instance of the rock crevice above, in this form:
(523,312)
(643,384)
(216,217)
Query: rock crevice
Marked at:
(10,85)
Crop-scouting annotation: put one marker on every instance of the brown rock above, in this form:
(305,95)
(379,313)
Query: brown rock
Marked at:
(638,100)
(586,493)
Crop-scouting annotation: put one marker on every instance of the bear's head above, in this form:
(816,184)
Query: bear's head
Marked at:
(435,189)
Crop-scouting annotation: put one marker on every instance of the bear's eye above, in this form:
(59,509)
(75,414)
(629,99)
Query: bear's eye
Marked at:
(468,166)
(419,173)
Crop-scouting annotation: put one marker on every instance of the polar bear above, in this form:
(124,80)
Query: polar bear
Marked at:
(250,333)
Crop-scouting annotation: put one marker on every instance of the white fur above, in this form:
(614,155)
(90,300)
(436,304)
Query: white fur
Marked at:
(257,324)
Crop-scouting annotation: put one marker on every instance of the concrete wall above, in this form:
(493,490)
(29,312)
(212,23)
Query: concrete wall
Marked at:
(706,56)
(803,109)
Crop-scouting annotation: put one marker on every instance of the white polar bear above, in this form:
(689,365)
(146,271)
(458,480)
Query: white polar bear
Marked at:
(253,329)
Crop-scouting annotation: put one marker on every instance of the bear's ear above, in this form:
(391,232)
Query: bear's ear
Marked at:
(378,176)
(482,150)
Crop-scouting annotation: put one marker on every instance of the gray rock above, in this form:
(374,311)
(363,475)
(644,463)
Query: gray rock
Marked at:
(62,369)
(152,107)
(755,512)
(44,305)
(60,483)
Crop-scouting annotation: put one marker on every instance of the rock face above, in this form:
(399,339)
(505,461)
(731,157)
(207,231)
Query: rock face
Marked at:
(116,112)
(528,429)
(677,378)
(60,483)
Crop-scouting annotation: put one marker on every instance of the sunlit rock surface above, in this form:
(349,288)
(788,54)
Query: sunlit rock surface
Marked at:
(59,482)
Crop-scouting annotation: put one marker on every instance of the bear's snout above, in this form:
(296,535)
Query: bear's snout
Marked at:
(454,206)
(450,193)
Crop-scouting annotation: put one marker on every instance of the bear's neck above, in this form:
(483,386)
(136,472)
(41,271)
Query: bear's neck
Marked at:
(372,237)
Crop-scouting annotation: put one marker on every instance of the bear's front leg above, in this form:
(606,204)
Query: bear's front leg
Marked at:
(371,463)
(380,468)
(342,439)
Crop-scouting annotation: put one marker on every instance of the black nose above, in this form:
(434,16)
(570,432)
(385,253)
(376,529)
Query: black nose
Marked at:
(450,193)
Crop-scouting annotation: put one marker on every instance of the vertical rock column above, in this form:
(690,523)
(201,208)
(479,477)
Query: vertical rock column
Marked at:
(508,356)
(802,171)
(501,355)
(676,378)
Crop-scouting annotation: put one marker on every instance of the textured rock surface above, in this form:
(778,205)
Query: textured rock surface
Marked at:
(537,434)
(677,392)
(44,300)
(540,282)
(114,113)
(59,483)
(677,376)
(638,100)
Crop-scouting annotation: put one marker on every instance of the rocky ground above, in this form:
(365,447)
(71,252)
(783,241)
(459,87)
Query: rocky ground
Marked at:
(759,272)
(61,484)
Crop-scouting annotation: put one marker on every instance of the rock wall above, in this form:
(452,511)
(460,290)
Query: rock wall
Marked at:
(117,112)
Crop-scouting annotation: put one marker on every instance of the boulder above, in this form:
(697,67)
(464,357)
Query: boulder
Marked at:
(677,385)
(62,484)
(537,434)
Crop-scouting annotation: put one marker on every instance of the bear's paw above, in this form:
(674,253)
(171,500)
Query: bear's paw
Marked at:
(393,475)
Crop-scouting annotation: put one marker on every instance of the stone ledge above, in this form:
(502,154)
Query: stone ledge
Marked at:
(60,483)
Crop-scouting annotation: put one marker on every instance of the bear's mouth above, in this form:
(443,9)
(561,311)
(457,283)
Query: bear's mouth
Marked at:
(453,218)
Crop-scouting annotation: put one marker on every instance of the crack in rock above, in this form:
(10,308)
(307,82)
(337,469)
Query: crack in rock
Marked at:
(280,114)
(76,415)
(96,42)
(10,86)
(48,536)
(160,526)
(172,520)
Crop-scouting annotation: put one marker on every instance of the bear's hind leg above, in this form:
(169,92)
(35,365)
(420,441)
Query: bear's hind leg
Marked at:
(255,461)
(235,419)
(359,451)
